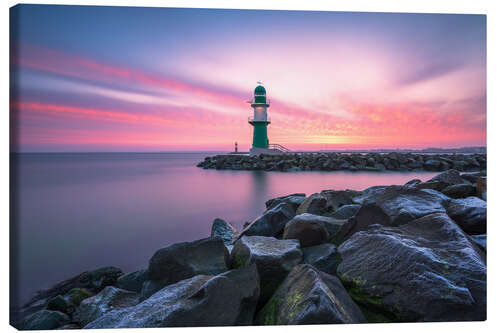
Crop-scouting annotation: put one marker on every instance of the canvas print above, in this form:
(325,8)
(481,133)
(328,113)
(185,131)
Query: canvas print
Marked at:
(225,167)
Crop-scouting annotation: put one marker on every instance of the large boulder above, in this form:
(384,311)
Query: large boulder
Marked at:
(133,281)
(224,230)
(424,270)
(403,204)
(432,165)
(93,281)
(68,302)
(59,303)
(274,259)
(394,206)
(472,176)
(469,214)
(308,229)
(308,296)
(159,306)
(458,191)
(88,282)
(323,257)
(208,256)
(314,204)
(45,320)
(110,298)
(413,182)
(150,287)
(447,178)
(345,212)
(227,299)
(271,223)
(479,240)
(481,187)
(430,185)
(294,200)
(368,194)
(337,199)
(76,295)
(331,225)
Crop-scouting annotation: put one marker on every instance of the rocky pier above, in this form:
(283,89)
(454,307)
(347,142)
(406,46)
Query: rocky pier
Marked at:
(402,253)
(343,161)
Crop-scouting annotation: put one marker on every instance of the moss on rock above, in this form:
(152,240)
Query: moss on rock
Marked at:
(77,295)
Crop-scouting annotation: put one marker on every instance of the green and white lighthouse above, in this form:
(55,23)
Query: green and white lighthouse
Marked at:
(259,120)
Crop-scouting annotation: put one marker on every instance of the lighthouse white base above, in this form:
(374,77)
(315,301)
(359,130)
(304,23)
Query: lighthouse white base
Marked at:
(257,151)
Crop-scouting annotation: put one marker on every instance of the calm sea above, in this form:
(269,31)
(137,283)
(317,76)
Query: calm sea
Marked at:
(76,212)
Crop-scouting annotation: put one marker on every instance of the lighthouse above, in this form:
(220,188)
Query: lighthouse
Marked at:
(259,121)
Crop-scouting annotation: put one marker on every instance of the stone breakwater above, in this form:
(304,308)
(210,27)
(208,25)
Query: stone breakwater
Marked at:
(342,161)
(400,253)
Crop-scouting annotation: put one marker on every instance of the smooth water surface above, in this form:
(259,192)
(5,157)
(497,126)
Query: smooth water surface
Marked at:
(76,212)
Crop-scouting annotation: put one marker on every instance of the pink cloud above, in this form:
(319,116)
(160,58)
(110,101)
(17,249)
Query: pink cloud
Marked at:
(356,123)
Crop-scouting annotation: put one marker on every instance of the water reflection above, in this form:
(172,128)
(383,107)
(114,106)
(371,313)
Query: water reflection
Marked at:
(260,187)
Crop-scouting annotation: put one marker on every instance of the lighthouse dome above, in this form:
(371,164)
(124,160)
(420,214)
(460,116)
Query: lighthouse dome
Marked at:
(260,90)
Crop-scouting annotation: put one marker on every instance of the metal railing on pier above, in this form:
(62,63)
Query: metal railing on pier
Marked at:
(279,147)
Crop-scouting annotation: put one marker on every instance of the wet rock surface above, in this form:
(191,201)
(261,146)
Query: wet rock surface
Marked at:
(93,281)
(133,281)
(481,187)
(469,214)
(308,296)
(153,310)
(479,240)
(345,212)
(424,270)
(224,230)
(73,289)
(180,261)
(447,178)
(369,194)
(314,204)
(337,199)
(109,299)
(459,191)
(274,258)
(393,206)
(226,299)
(271,223)
(294,200)
(45,320)
(307,229)
(324,257)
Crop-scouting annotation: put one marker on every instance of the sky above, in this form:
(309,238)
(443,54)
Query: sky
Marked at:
(90,78)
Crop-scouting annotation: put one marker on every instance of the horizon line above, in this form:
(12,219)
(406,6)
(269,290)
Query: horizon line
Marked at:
(243,152)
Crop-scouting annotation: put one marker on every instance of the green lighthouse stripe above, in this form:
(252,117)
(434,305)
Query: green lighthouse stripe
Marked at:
(260,135)
(260,99)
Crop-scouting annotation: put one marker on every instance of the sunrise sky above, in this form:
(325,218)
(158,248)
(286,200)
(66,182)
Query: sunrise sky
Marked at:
(89,78)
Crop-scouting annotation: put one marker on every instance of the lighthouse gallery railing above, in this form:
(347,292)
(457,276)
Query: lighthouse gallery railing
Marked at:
(252,119)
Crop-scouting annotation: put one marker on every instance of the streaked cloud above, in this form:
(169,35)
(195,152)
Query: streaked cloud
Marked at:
(335,80)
